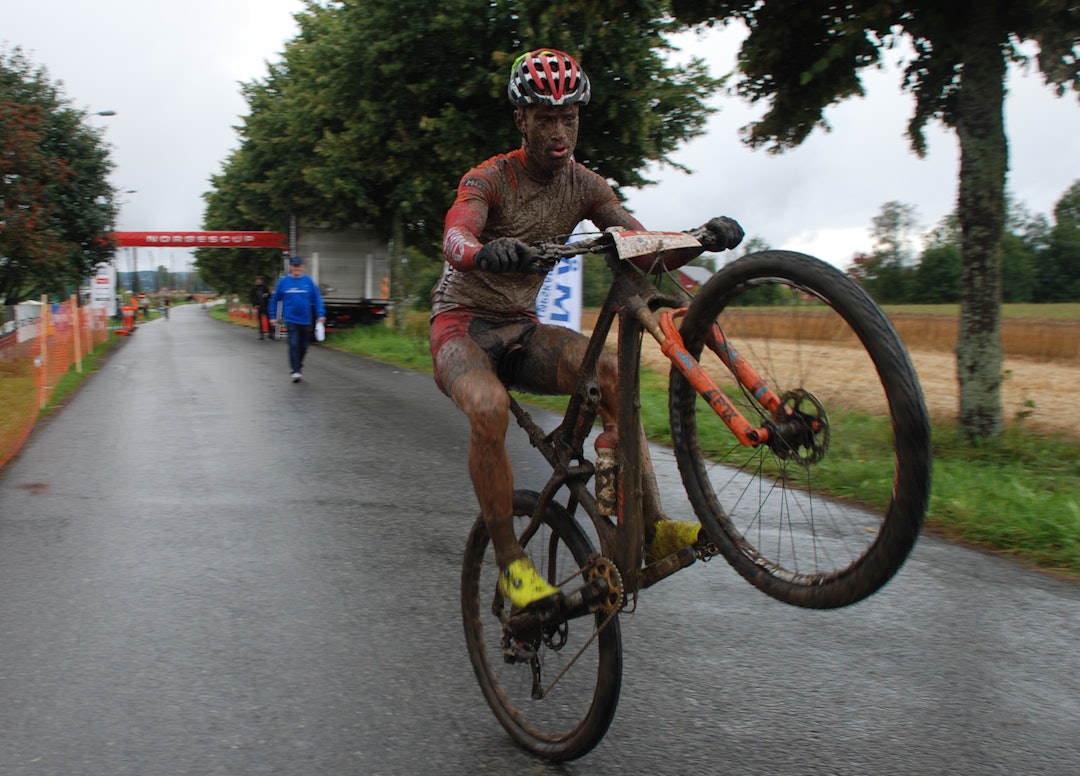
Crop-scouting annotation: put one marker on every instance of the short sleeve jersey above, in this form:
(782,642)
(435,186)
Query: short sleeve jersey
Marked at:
(499,198)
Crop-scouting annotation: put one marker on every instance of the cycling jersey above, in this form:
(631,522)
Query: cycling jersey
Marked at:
(500,198)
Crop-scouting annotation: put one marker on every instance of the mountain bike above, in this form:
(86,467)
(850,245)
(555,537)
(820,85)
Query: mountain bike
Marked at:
(788,387)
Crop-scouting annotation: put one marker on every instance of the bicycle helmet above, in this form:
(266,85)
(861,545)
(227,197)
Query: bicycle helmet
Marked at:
(547,77)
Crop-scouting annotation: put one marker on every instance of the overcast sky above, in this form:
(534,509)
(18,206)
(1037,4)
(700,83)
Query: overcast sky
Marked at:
(172,71)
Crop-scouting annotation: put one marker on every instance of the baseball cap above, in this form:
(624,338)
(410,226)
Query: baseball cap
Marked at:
(295,260)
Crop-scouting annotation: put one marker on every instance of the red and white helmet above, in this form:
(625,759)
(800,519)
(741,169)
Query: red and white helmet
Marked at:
(548,77)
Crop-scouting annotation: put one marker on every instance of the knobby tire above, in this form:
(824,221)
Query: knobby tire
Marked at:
(764,511)
(575,715)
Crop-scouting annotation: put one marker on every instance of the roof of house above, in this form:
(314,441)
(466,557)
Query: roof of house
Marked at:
(697,274)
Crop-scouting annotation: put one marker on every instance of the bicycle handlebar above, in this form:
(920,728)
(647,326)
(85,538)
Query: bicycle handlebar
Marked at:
(642,247)
(548,254)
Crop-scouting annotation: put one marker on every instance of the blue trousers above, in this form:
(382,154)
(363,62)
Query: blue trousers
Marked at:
(299,339)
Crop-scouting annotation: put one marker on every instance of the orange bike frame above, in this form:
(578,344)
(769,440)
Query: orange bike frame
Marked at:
(673,347)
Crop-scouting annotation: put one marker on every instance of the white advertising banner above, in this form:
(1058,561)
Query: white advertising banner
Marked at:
(560,299)
(103,289)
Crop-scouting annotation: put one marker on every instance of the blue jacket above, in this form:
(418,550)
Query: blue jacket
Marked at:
(298,297)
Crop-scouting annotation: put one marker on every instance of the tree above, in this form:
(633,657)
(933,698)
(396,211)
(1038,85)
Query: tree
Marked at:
(802,57)
(377,109)
(1017,270)
(1062,258)
(233,270)
(885,272)
(56,205)
(937,278)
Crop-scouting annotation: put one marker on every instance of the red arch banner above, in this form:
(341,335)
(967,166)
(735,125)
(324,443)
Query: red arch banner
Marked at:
(166,239)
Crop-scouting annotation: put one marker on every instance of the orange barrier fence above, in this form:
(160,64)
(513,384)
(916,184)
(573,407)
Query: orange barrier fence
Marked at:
(246,315)
(33,358)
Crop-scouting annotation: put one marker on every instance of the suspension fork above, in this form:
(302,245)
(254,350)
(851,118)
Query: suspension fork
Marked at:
(672,346)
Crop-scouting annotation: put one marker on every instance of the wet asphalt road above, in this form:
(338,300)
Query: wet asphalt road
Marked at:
(205,569)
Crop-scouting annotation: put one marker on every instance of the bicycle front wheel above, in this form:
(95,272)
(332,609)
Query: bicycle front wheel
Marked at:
(825,513)
(555,694)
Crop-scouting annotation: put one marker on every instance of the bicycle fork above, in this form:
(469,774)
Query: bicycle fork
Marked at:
(786,431)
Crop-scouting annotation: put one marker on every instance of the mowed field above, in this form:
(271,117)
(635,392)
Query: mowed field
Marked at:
(1042,362)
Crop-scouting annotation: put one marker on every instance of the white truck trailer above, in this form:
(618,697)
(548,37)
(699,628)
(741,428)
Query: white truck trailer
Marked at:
(352,270)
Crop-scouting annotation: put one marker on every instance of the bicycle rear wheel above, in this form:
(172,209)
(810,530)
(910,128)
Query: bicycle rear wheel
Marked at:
(775,511)
(576,710)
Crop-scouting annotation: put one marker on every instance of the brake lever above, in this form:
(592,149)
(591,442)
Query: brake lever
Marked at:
(548,255)
(544,262)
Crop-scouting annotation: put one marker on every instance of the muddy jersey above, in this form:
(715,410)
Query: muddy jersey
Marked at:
(499,198)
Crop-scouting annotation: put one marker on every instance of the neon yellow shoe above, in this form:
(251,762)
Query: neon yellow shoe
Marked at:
(523,585)
(672,536)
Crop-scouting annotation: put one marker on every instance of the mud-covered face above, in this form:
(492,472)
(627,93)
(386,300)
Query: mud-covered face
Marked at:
(549,134)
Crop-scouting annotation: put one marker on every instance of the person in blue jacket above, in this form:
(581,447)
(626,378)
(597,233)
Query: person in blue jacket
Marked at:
(297,302)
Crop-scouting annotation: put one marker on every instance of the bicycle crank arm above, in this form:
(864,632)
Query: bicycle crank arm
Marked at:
(584,601)
(665,567)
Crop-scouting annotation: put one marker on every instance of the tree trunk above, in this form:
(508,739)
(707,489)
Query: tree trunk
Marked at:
(981,208)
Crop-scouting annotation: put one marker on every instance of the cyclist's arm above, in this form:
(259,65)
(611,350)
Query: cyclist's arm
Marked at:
(464,222)
(607,211)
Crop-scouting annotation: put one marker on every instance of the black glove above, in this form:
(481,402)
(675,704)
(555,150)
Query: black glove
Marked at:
(504,254)
(721,234)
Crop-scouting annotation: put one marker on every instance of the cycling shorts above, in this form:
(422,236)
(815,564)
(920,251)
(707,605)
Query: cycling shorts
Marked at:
(503,340)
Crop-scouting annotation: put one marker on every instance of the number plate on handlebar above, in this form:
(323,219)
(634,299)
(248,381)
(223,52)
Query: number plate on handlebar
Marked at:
(674,248)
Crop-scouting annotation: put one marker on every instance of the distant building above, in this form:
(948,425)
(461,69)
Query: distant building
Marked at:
(691,278)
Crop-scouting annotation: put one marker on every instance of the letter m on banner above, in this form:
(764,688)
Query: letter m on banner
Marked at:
(560,299)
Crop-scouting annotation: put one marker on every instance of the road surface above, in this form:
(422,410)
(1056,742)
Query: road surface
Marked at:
(206,569)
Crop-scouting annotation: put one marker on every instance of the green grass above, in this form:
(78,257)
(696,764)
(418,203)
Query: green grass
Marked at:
(381,342)
(1019,495)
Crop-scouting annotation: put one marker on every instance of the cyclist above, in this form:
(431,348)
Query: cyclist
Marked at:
(484,329)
